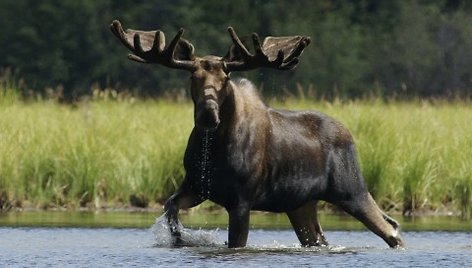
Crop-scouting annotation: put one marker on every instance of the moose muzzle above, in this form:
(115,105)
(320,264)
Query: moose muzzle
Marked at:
(207,114)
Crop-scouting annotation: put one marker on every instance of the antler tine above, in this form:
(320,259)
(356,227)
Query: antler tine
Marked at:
(157,53)
(237,42)
(170,51)
(159,42)
(118,31)
(138,48)
(298,50)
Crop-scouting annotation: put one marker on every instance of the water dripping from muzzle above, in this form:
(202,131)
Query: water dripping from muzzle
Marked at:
(205,166)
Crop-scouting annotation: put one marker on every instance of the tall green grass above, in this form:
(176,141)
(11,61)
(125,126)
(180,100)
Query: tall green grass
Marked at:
(92,154)
(415,156)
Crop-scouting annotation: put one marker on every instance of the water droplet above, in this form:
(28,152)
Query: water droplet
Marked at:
(205,166)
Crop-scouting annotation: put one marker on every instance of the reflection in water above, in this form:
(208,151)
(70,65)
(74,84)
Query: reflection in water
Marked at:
(210,220)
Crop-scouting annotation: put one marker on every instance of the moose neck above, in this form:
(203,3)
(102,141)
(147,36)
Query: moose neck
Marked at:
(244,119)
(243,114)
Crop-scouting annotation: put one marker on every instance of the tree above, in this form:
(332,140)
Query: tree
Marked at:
(423,46)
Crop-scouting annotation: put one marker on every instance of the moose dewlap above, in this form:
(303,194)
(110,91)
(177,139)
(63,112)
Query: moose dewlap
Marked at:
(244,155)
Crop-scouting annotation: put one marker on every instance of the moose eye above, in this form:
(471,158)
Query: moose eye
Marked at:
(227,80)
(194,78)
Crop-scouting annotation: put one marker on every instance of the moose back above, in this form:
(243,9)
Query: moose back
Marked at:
(244,155)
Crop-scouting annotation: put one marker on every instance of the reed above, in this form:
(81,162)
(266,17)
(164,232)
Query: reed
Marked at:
(94,154)
(415,156)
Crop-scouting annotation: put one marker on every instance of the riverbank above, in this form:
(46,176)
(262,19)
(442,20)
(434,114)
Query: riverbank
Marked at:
(209,207)
(145,218)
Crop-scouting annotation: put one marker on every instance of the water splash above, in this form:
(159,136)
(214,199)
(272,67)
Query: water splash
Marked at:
(213,239)
(190,238)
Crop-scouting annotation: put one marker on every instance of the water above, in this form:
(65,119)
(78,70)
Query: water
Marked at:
(131,247)
(85,239)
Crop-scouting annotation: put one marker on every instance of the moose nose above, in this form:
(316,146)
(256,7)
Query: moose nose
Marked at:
(207,116)
(209,92)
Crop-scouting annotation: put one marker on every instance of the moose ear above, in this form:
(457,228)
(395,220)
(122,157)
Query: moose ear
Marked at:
(184,50)
(235,53)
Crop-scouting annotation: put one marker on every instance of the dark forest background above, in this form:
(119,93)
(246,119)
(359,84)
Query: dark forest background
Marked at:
(385,48)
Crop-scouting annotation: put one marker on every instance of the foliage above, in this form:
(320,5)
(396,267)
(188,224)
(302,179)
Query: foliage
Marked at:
(390,48)
(112,150)
(98,152)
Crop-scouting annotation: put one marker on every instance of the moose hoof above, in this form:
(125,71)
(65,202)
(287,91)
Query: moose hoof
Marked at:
(321,241)
(177,240)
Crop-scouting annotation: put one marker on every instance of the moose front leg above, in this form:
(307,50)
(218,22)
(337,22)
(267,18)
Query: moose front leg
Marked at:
(182,199)
(238,227)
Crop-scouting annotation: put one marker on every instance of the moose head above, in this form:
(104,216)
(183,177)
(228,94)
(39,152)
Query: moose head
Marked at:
(210,80)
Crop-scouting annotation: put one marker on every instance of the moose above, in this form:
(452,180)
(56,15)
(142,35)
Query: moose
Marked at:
(244,155)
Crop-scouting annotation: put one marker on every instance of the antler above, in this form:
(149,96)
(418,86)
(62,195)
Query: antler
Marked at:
(276,52)
(149,46)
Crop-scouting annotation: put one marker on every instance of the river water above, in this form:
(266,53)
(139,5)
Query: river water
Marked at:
(148,247)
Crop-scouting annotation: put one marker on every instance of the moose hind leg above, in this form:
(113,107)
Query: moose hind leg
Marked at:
(366,210)
(305,223)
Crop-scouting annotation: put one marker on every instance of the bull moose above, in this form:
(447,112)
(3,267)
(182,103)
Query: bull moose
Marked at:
(244,155)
